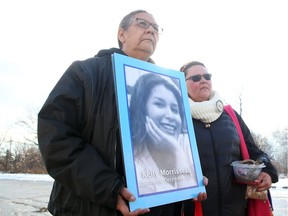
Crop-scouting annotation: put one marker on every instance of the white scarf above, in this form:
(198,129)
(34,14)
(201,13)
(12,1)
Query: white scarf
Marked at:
(207,111)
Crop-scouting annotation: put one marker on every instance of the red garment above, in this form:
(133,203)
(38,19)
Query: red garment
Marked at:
(255,207)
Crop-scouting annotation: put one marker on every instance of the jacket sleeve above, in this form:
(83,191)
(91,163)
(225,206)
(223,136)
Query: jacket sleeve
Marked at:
(69,158)
(255,153)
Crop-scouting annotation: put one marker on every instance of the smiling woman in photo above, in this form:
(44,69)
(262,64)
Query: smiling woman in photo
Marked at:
(162,153)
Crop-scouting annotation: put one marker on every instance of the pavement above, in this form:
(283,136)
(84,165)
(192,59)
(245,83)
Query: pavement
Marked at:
(24,198)
(30,198)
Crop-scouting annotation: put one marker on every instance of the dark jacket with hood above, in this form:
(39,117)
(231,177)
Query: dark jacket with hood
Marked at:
(218,146)
(78,134)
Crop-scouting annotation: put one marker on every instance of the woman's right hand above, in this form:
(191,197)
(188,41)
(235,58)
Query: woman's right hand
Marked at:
(161,140)
(165,146)
(124,196)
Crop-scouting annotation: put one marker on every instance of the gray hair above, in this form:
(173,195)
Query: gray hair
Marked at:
(127,21)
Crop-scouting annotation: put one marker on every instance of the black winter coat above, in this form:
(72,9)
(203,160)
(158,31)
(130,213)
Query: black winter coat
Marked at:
(218,146)
(79,140)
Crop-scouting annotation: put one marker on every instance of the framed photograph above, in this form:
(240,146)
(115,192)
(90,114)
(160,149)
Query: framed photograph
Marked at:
(158,142)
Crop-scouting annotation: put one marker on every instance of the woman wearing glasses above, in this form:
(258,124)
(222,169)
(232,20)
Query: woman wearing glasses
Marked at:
(78,130)
(219,145)
(162,153)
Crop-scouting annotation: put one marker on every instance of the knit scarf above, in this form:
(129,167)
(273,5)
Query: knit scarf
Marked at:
(207,111)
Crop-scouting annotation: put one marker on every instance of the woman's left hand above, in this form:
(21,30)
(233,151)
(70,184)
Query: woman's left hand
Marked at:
(202,196)
(264,182)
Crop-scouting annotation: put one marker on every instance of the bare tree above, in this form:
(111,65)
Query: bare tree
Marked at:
(22,155)
(29,124)
(3,137)
(281,139)
(2,151)
(263,143)
(240,97)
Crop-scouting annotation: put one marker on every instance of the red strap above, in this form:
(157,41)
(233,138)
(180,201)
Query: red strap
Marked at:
(198,208)
(230,111)
(255,207)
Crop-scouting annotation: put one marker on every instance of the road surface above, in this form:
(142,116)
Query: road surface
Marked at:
(30,198)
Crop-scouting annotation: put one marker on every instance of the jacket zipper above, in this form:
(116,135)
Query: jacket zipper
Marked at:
(217,174)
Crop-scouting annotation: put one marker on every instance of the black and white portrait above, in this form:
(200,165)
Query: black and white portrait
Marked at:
(161,148)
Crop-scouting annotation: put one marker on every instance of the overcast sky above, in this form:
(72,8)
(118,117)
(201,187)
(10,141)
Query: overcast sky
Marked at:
(244,44)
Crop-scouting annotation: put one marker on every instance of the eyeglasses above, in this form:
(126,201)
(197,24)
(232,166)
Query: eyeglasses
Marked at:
(145,24)
(198,77)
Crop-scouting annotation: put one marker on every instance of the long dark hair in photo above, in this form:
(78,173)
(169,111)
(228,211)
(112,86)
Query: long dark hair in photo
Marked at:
(139,96)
